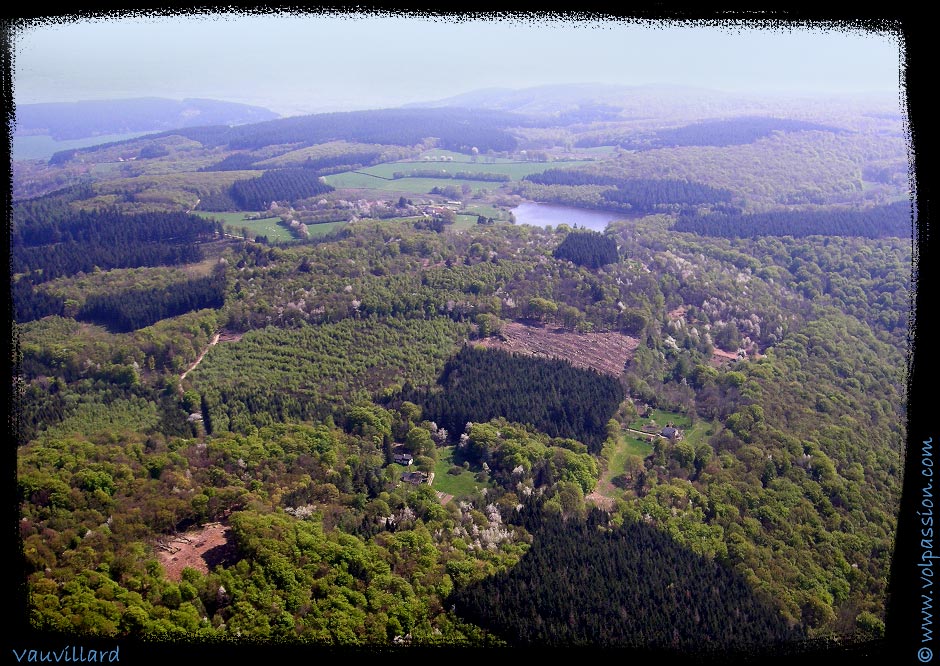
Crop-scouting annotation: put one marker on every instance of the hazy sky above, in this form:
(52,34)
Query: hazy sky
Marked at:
(315,62)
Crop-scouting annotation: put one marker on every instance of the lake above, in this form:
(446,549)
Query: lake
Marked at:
(42,147)
(544,214)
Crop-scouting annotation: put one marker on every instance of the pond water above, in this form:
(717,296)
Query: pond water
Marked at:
(544,214)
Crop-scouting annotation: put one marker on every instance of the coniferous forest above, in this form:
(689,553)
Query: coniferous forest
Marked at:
(316,381)
(588,248)
(561,400)
(642,593)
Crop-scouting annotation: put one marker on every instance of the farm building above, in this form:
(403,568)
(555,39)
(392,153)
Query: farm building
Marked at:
(670,432)
(403,458)
(416,478)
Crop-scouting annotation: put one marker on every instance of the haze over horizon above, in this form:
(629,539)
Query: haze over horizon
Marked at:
(309,63)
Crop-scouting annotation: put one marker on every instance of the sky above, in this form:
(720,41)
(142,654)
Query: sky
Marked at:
(302,63)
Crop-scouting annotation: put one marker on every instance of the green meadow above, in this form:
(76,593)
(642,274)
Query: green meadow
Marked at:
(498,214)
(627,444)
(235,222)
(695,434)
(455,485)
(410,186)
(515,170)
(660,418)
(379,177)
(314,230)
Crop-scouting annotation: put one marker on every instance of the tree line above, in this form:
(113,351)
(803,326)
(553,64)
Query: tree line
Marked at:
(131,309)
(322,164)
(890,220)
(720,133)
(645,194)
(462,175)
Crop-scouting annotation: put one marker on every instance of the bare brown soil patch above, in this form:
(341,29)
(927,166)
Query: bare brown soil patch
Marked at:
(444,497)
(721,357)
(606,503)
(199,549)
(604,352)
(678,312)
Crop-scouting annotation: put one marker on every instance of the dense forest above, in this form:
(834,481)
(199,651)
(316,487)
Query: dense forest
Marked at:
(876,222)
(729,132)
(551,395)
(641,194)
(51,245)
(644,592)
(131,309)
(279,184)
(588,248)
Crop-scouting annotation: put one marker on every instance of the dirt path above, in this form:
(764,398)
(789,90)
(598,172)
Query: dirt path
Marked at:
(214,341)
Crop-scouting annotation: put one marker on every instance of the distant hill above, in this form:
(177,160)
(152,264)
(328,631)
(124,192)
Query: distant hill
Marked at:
(556,99)
(589,102)
(76,120)
(453,129)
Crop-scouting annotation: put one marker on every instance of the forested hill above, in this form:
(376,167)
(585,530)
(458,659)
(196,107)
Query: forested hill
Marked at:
(453,129)
(457,129)
(874,222)
(76,120)
(732,131)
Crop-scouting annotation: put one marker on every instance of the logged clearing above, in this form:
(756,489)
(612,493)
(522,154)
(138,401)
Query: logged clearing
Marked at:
(198,549)
(604,352)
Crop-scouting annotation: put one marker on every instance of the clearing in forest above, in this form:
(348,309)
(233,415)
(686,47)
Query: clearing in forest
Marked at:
(198,549)
(605,352)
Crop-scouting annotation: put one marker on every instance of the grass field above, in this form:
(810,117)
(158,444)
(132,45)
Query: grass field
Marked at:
(598,150)
(515,170)
(448,483)
(694,434)
(269,226)
(461,223)
(661,418)
(464,222)
(408,186)
(379,177)
(458,158)
(628,444)
(314,230)
(497,214)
